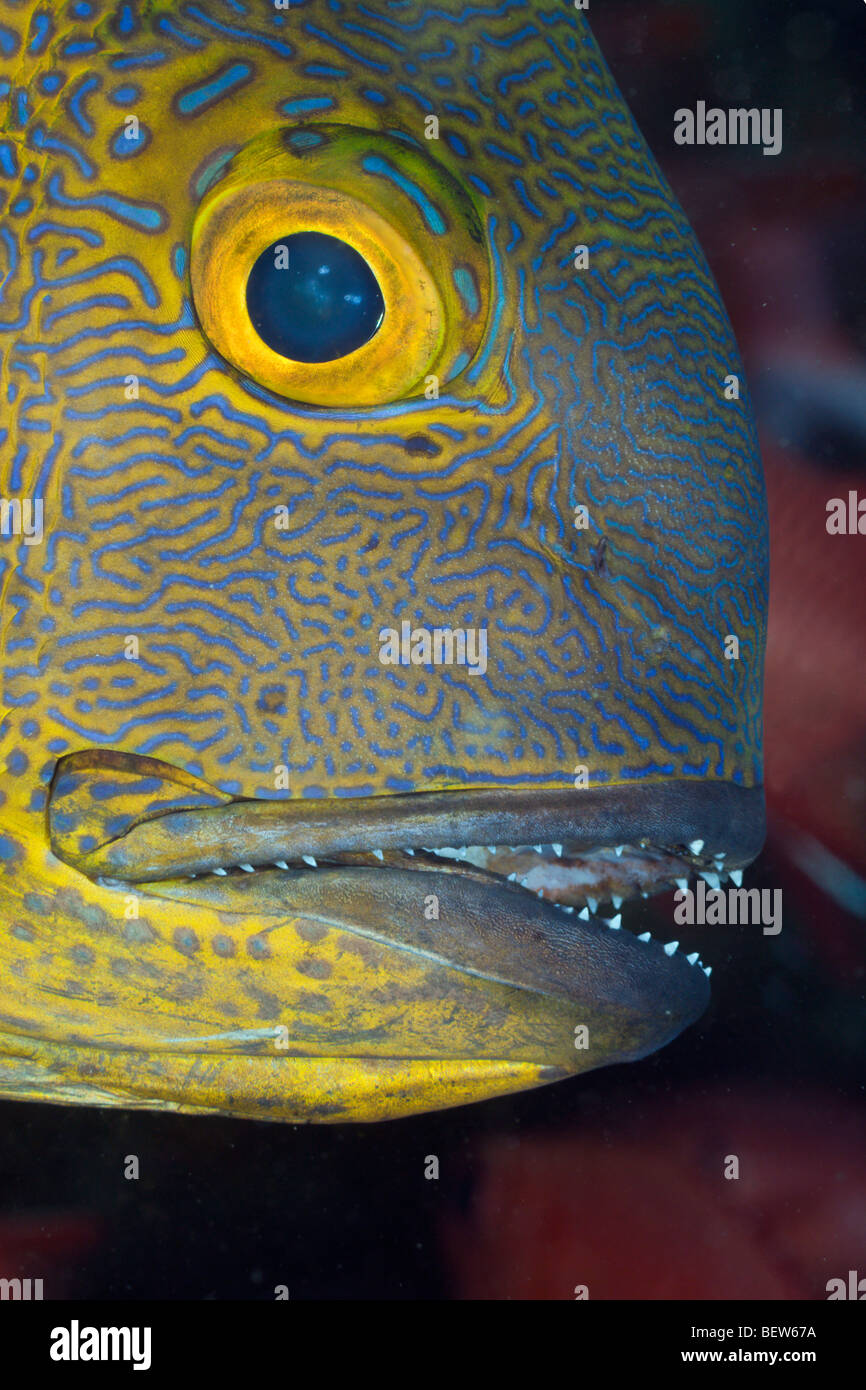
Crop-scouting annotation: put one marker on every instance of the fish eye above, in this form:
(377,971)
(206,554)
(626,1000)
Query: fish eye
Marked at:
(313,298)
(340,267)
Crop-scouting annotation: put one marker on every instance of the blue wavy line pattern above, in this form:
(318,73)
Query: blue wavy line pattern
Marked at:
(164,474)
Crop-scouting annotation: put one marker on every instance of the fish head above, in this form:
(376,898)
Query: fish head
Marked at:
(384,560)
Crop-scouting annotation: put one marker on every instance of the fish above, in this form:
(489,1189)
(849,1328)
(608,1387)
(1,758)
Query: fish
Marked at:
(384,559)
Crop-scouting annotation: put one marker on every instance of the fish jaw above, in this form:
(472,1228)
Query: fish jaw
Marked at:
(357,986)
(347,984)
(295,1091)
(332,995)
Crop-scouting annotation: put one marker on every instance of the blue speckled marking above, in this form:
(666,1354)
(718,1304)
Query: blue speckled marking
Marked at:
(607,393)
(190,102)
(374,164)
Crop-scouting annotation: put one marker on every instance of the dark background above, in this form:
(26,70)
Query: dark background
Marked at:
(228,1209)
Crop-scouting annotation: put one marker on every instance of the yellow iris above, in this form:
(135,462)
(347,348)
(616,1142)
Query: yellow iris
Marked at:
(414,226)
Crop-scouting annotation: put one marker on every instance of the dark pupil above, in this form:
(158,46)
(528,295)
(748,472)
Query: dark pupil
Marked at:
(313,298)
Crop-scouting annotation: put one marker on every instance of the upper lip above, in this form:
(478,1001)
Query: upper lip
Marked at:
(183,832)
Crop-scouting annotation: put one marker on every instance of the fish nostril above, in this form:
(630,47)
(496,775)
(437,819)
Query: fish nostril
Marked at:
(422,444)
(599,558)
(273,699)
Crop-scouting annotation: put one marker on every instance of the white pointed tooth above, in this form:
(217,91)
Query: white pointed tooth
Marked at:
(719,860)
(247,868)
(281,863)
(569,910)
(223,872)
(308,859)
(557,849)
(692,958)
(712,879)
(539,849)
(737,876)
(682,884)
(617,901)
(584,914)
(618,849)
(670,947)
(378,853)
(708,970)
(407,850)
(512,878)
(614,922)
(645,937)
(593,905)
(696,846)
(491,849)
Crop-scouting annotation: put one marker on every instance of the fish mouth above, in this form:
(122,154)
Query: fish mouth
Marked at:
(508,929)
